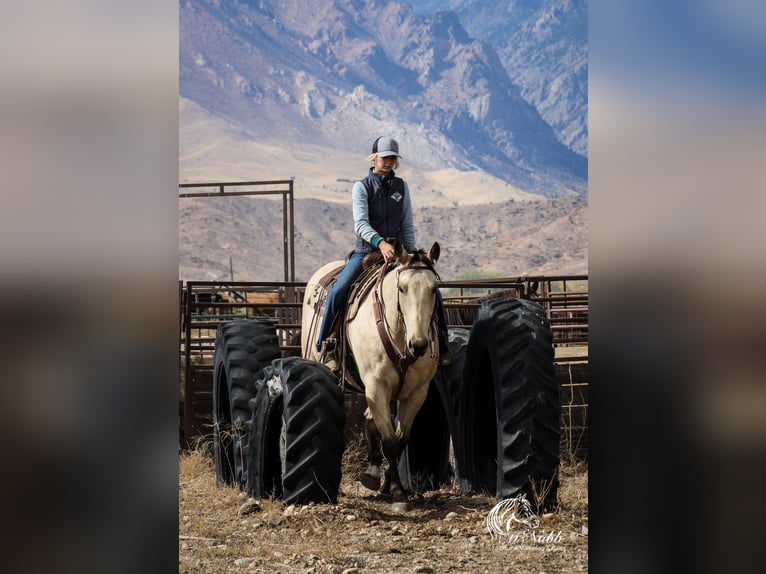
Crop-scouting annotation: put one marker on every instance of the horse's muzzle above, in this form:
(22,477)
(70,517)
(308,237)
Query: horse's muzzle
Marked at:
(418,347)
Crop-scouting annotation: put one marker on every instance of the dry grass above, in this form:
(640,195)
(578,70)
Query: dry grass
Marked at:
(221,531)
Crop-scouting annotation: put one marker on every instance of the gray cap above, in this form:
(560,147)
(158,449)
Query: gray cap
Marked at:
(385,146)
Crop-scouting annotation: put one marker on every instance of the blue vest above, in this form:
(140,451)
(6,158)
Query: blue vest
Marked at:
(385,198)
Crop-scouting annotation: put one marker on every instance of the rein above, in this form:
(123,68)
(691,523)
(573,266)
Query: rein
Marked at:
(401,359)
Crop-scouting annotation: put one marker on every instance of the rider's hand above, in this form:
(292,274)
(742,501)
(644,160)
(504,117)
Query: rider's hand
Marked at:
(387,250)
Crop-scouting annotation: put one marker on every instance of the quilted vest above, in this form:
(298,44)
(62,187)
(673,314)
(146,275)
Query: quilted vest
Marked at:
(385,197)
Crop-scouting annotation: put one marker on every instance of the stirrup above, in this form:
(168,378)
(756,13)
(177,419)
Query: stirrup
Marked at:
(446,357)
(328,354)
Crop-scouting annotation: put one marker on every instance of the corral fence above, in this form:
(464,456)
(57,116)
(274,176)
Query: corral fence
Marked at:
(206,304)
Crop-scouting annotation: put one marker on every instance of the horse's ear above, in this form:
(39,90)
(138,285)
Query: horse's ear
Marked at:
(399,251)
(433,253)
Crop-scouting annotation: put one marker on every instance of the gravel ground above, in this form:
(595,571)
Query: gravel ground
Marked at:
(221,530)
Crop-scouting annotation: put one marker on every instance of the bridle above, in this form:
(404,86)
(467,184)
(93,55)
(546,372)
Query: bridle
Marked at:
(401,359)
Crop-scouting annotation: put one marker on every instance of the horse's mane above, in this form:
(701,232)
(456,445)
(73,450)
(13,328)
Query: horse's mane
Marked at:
(419,258)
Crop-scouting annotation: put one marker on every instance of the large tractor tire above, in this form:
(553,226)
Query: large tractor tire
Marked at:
(266,442)
(425,462)
(242,349)
(510,428)
(296,433)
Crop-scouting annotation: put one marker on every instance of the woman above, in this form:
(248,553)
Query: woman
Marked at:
(382,211)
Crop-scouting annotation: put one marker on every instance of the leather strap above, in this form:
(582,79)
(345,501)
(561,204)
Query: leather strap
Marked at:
(401,360)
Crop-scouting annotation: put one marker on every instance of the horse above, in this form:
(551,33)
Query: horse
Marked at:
(392,336)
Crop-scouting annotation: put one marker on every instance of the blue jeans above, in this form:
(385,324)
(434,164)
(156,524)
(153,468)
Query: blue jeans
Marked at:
(336,300)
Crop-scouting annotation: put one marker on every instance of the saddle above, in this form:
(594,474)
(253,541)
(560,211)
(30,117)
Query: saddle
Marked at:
(359,289)
(370,268)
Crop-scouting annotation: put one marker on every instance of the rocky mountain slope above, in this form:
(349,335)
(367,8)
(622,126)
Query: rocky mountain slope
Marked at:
(331,75)
(543,45)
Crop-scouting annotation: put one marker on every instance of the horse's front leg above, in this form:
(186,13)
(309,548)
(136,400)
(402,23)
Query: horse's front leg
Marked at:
(392,483)
(406,412)
(371,476)
(379,408)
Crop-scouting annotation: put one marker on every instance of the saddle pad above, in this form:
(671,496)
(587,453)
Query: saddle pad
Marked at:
(361,288)
(318,296)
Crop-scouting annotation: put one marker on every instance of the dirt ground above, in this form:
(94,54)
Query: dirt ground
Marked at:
(221,530)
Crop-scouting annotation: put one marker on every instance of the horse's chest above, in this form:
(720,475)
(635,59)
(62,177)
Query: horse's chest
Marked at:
(418,375)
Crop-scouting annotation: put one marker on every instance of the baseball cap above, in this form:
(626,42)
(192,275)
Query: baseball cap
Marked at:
(385,146)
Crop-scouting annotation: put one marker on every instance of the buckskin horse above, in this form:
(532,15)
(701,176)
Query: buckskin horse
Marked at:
(390,334)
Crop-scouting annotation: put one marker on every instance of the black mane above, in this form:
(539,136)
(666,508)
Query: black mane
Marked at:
(420,256)
(420,259)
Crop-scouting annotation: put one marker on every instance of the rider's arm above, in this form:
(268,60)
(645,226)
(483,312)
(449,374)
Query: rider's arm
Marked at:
(406,226)
(361,213)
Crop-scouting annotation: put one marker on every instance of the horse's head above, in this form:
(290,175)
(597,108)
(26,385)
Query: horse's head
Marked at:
(416,282)
(523,512)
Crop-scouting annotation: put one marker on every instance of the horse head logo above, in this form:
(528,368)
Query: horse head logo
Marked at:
(508,511)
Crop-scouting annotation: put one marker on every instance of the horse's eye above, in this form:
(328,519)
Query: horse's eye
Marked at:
(401,289)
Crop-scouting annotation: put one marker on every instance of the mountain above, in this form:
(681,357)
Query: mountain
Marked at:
(289,89)
(543,45)
(327,77)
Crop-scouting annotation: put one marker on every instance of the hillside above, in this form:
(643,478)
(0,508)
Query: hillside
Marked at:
(510,238)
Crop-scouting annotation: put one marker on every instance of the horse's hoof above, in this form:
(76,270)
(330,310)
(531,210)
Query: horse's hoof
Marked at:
(400,507)
(370,481)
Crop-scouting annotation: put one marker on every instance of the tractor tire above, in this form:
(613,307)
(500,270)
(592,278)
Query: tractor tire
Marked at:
(296,434)
(242,349)
(425,462)
(510,431)
(266,442)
